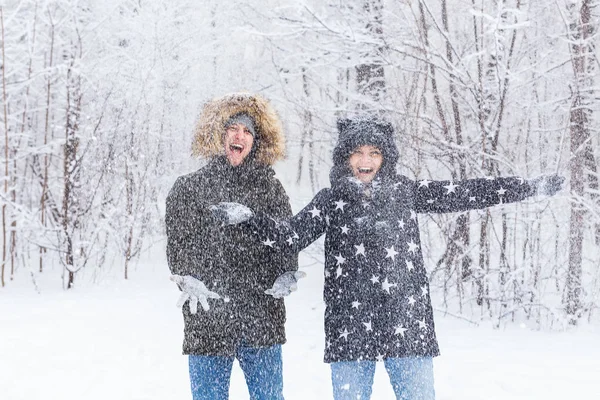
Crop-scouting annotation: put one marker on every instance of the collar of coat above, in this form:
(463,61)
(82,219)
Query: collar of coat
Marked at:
(250,172)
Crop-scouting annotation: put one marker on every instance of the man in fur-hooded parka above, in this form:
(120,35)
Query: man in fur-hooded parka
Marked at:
(227,260)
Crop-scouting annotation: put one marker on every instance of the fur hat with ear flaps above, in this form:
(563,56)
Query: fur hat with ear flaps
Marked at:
(361,131)
(208,135)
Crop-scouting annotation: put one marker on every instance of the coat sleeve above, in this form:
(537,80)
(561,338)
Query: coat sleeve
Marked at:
(292,235)
(182,221)
(281,209)
(469,194)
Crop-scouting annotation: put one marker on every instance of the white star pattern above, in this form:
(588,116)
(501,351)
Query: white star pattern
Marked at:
(327,274)
(391,253)
(268,242)
(339,205)
(340,259)
(345,334)
(412,246)
(451,188)
(399,330)
(398,213)
(379,357)
(360,249)
(316,213)
(290,241)
(386,285)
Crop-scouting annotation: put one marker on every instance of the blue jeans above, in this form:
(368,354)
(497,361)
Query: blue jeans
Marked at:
(210,375)
(411,378)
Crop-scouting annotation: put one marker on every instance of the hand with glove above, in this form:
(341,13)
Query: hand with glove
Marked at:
(195,291)
(231,213)
(547,185)
(285,284)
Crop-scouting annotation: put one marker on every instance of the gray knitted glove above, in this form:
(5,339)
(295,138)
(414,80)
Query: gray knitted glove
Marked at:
(285,284)
(193,290)
(231,213)
(547,185)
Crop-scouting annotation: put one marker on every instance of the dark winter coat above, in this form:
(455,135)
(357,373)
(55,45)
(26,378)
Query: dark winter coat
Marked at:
(230,261)
(376,288)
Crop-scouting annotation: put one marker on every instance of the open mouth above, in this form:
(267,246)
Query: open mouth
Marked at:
(365,170)
(236,148)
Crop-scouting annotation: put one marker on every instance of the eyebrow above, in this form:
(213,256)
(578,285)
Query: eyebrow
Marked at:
(236,125)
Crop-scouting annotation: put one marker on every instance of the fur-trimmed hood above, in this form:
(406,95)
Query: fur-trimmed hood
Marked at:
(208,135)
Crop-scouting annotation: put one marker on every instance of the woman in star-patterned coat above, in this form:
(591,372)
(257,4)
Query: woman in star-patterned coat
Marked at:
(376,289)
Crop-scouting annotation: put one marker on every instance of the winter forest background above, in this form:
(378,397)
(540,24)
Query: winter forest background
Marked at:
(99,100)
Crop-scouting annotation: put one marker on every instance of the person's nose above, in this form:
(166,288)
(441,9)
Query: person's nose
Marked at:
(239,133)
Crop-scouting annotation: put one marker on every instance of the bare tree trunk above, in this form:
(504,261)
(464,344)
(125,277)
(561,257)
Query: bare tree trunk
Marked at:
(16,147)
(46,130)
(307,138)
(463,221)
(129,209)
(6,152)
(459,239)
(370,77)
(580,118)
(69,211)
(486,100)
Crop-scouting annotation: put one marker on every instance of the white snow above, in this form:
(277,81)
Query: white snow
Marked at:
(121,340)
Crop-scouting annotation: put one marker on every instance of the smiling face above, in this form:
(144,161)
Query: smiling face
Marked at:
(365,161)
(238,142)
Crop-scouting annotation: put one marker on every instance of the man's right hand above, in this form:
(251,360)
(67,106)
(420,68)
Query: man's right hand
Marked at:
(231,213)
(195,291)
(285,284)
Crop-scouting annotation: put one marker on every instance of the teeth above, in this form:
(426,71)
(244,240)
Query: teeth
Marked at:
(365,170)
(237,147)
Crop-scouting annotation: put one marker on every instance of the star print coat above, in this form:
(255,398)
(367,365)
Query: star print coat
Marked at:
(228,260)
(376,288)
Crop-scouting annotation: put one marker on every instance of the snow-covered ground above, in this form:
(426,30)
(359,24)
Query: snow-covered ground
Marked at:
(121,340)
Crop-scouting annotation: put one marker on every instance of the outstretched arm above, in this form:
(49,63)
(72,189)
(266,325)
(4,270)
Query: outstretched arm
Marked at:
(292,235)
(449,196)
(288,236)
